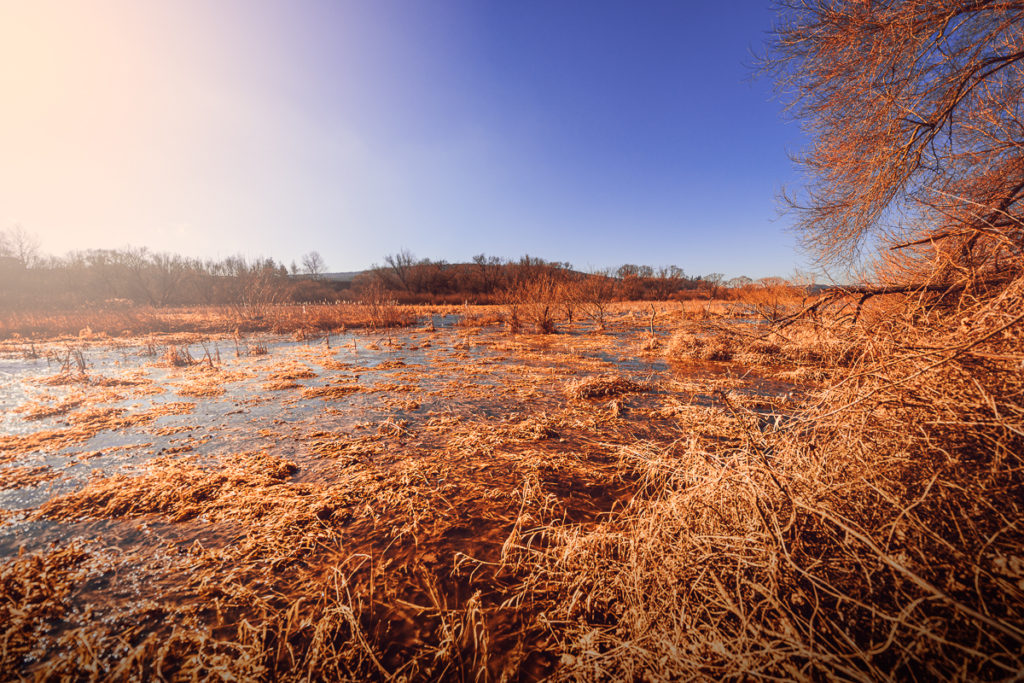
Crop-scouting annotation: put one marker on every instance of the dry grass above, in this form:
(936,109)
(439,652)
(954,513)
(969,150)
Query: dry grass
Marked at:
(334,392)
(687,528)
(602,386)
(102,322)
(876,536)
(207,380)
(84,425)
(21,477)
(706,346)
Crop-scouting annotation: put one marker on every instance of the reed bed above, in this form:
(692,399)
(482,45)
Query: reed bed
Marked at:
(101,321)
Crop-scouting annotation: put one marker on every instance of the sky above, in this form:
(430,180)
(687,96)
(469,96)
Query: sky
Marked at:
(593,132)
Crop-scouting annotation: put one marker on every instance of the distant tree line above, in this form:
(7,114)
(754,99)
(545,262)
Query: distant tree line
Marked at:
(137,276)
(486,279)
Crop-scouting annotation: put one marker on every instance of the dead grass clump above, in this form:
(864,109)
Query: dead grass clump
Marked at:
(85,424)
(177,358)
(649,343)
(600,386)
(482,318)
(331,392)
(340,446)
(687,345)
(393,427)
(280,384)
(40,410)
(130,380)
(20,477)
(202,385)
(202,381)
(64,379)
(35,591)
(290,371)
(534,429)
(181,491)
(809,345)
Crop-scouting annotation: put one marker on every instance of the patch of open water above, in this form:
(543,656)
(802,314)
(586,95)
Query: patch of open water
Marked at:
(403,376)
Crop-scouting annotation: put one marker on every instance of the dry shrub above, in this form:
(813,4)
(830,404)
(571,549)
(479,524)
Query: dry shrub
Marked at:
(686,345)
(600,386)
(534,302)
(381,309)
(479,318)
(878,535)
(805,344)
(696,310)
(178,357)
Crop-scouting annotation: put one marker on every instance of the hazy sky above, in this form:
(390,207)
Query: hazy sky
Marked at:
(591,132)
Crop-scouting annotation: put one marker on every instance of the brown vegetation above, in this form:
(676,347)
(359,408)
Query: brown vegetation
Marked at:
(864,527)
(372,551)
(601,386)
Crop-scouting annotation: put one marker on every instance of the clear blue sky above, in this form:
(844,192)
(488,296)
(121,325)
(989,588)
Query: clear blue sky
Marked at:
(592,132)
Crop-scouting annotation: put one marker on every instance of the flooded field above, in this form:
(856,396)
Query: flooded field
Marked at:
(271,505)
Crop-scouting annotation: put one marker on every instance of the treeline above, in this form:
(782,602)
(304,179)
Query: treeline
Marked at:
(127,277)
(488,279)
(139,277)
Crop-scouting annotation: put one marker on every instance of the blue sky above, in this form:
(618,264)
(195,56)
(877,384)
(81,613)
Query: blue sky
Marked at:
(591,132)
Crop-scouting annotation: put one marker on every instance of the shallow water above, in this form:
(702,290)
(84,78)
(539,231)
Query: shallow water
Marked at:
(404,379)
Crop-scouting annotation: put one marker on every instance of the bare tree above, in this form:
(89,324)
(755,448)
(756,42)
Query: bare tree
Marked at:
(313,265)
(667,280)
(401,265)
(714,282)
(740,281)
(490,272)
(596,291)
(252,285)
(19,243)
(918,129)
(155,278)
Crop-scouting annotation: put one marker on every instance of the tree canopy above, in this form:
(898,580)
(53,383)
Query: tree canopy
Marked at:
(914,110)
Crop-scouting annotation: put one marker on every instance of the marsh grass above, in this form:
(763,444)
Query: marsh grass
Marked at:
(606,527)
(100,321)
(601,386)
(877,535)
